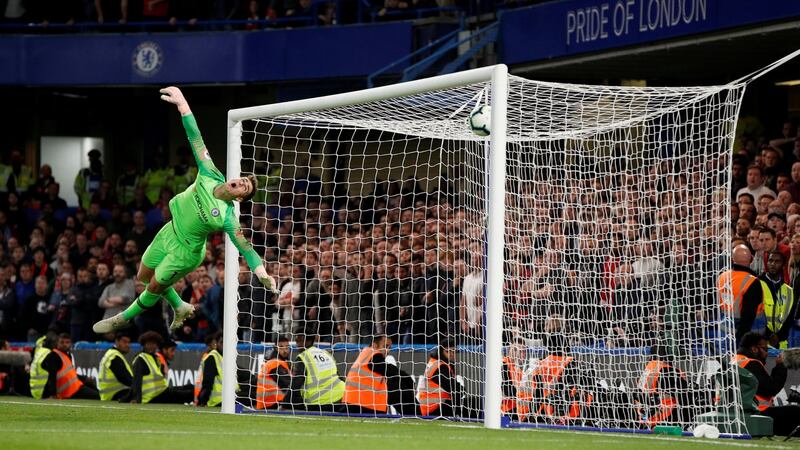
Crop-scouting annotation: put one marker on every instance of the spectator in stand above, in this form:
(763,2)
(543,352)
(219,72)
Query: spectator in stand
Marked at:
(777,223)
(36,316)
(117,295)
(51,198)
(471,310)
(88,180)
(771,159)
(8,308)
(131,256)
(140,201)
(189,10)
(755,184)
(785,143)
(82,305)
(212,303)
(769,243)
(79,255)
(301,10)
(40,267)
(738,175)
(43,181)
(154,10)
(139,233)
(59,304)
(104,197)
(109,11)
(24,285)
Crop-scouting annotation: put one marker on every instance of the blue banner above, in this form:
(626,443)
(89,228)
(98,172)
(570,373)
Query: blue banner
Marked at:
(202,57)
(569,27)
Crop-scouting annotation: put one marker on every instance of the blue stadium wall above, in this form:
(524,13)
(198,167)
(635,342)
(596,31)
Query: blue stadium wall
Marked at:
(201,57)
(558,29)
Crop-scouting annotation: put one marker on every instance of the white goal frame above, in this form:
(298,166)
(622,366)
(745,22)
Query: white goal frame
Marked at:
(496,163)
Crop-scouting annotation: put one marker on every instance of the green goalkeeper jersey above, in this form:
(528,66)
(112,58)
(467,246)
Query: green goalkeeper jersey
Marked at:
(196,213)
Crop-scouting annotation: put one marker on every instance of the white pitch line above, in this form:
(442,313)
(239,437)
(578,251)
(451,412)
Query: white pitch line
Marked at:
(723,442)
(77,405)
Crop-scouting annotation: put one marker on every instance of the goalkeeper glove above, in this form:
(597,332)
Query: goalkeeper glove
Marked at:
(266,280)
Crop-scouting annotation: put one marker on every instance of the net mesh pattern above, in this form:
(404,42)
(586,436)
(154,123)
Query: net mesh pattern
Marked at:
(372,217)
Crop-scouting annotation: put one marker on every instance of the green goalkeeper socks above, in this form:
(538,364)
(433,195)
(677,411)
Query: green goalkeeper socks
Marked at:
(172,297)
(146,299)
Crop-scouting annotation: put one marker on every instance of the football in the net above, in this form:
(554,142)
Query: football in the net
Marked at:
(479,120)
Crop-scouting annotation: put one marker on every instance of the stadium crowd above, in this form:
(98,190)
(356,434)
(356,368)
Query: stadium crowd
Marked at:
(400,261)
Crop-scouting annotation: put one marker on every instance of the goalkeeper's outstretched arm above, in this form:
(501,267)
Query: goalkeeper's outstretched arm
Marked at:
(234,231)
(201,156)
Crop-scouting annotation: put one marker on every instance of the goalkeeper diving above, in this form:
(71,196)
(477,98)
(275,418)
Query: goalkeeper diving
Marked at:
(203,208)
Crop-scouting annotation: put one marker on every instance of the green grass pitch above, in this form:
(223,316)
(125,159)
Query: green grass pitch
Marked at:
(79,424)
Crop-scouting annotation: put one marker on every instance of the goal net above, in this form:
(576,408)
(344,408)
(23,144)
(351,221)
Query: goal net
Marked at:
(596,285)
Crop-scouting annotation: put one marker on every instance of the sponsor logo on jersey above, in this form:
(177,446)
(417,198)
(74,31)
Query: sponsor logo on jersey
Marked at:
(201,213)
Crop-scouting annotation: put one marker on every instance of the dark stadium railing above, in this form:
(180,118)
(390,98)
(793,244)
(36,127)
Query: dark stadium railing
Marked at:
(364,14)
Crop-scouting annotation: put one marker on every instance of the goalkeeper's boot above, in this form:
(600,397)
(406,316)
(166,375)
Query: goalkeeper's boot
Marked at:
(111,324)
(182,313)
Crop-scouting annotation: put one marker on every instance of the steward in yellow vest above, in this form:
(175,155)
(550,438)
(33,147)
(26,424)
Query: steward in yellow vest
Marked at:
(316,385)
(38,376)
(150,373)
(208,385)
(780,307)
(115,376)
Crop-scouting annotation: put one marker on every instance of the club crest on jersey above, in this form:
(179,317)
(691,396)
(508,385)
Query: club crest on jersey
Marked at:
(215,212)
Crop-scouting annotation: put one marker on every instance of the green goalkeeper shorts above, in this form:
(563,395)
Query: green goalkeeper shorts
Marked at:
(171,259)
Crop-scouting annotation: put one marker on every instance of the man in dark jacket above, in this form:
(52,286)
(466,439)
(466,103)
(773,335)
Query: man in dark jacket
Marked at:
(36,316)
(82,304)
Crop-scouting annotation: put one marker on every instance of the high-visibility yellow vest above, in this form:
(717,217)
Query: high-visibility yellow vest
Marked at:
(777,307)
(25,178)
(181,182)
(216,391)
(107,382)
(153,383)
(39,376)
(323,385)
(156,179)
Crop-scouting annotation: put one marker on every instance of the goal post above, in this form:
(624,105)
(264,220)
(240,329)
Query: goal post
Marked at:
(568,253)
(498,76)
